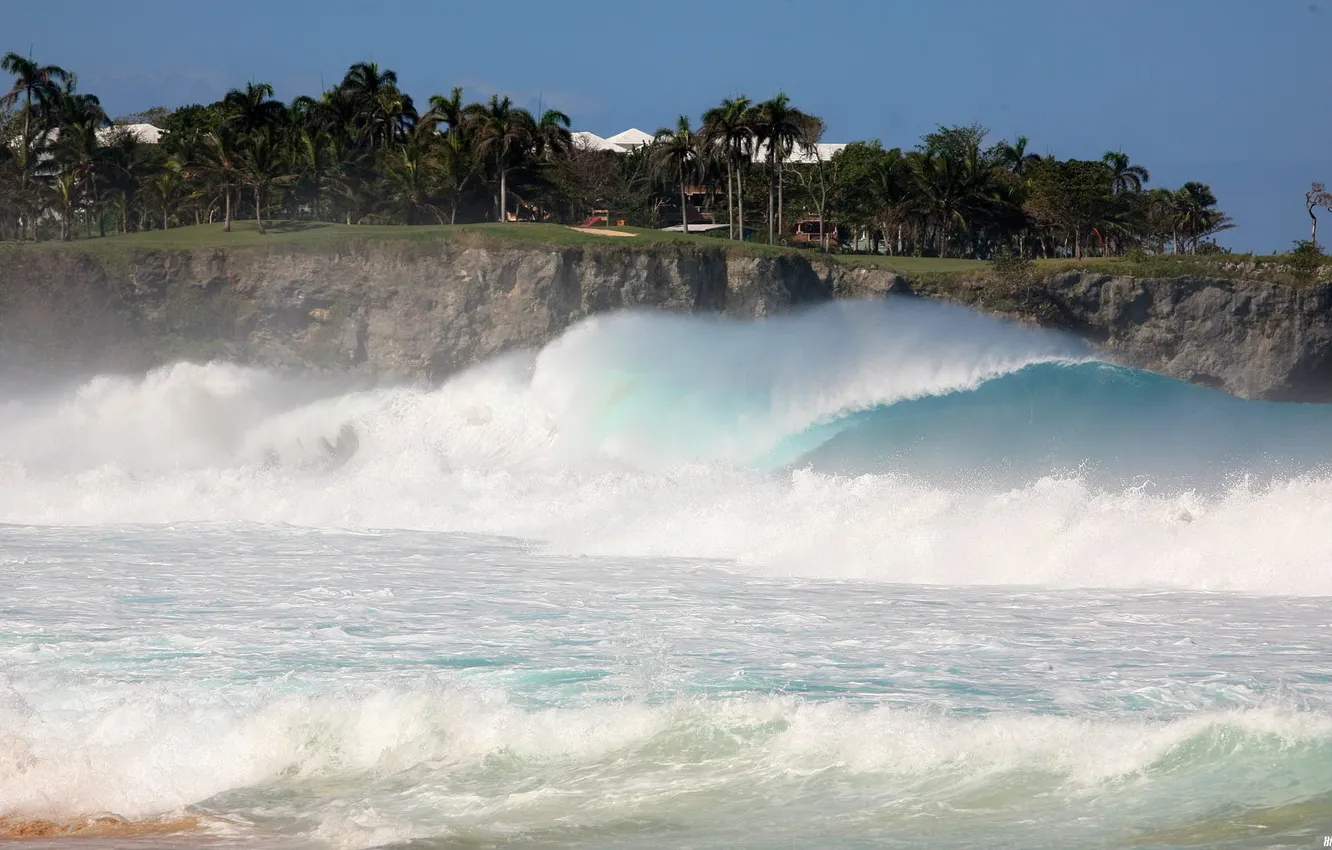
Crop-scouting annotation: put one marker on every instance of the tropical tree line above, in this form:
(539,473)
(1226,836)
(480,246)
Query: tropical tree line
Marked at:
(956,196)
(361,153)
(364,152)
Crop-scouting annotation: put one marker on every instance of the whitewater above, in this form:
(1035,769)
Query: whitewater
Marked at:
(888,574)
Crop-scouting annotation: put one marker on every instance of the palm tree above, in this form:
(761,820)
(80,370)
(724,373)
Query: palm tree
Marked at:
(779,127)
(413,180)
(251,108)
(260,165)
(457,168)
(381,108)
(126,160)
(79,118)
(504,133)
(677,151)
(31,82)
(1126,177)
(321,163)
(1196,213)
(1014,157)
(725,129)
(218,165)
(445,110)
(940,193)
(166,188)
(552,136)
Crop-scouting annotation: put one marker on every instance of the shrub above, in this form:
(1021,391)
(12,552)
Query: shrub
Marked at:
(1305,258)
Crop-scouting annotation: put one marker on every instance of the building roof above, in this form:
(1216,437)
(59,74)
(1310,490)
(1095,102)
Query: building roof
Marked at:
(146,133)
(802,156)
(633,137)
(592,142)
(630,139)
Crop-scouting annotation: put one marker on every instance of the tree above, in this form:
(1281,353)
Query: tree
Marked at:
(381,109)
(676,152)
(505,134)
(1014,157)
(778,127)
(414,181)
(128,163)
(938,194)
(259,165)
(1071,196)
(320,162)
(820,180)
(445,110)
(166,189)
(1316,197)
(32,82)
(1125,177)
(955,143)
(75,156)
(726,130)
(219,166)
(551,136)
(252,108)
(1195,205)
(870,190)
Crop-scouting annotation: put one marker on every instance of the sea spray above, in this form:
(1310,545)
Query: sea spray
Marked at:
(922,444)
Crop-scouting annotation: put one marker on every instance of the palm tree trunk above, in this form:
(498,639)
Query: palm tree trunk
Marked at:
(504,191)
(258,210)
(730,205)
(740,197)
(772,177)
(226,221)
(780,210)
(684,211)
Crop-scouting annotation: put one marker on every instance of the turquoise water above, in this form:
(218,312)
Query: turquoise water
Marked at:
(885,575)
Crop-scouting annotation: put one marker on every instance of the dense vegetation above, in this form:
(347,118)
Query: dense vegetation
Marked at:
(364,153)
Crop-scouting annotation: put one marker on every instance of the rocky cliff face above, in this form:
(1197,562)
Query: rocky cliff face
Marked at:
(403,310)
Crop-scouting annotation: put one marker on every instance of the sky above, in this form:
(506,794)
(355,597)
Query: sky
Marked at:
(1233,93)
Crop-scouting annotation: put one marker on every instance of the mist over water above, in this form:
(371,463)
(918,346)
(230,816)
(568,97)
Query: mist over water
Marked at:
(879,572)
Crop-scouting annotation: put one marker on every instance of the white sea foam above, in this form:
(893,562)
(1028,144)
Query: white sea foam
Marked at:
(140,752)
(628,436)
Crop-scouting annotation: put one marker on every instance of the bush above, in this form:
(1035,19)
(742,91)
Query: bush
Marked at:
(1305,258)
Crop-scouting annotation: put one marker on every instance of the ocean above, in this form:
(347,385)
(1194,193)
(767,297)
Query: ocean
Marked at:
(879,574)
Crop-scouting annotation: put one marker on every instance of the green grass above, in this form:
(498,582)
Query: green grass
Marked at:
(323,235)
(913,265)
(244,234)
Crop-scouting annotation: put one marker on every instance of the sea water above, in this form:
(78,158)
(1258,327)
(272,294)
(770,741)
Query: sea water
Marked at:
(882,574)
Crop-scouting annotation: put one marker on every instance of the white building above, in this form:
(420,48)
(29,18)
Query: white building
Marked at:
(619,143)
(633,138)
(146,133)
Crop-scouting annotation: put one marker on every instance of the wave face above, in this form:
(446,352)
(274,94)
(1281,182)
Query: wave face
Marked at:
(898,441)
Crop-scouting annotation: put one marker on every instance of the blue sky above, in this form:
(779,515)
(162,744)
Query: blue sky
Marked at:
(1235,93)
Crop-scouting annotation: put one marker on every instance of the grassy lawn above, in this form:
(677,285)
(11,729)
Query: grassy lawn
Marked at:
(244,234)
(913,265)
(314,235)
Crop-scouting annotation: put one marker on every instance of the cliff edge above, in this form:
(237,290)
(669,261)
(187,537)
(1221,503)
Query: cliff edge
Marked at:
(424,309)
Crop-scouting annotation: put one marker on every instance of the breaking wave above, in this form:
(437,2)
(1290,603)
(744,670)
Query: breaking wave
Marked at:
(898,441)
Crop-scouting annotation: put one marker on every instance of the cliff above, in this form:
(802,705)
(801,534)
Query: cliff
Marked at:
(424,309)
